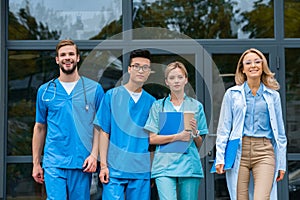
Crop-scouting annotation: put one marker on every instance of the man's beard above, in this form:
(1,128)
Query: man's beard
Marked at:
(69,71)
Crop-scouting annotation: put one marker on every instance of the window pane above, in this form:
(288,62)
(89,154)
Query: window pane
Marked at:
(294,180)
(226,64)
(27,70)
(37,67)
(21,185)
(72,19)
(201,19)
(292,18)
(292,74)
(103,66)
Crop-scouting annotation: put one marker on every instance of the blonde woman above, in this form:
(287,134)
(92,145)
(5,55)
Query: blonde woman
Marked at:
(251,111)
(175,171)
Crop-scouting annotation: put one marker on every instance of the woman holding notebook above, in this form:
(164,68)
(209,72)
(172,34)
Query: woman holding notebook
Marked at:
(251,112)
(176,166)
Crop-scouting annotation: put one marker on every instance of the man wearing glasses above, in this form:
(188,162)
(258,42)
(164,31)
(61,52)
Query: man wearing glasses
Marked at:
(124,156)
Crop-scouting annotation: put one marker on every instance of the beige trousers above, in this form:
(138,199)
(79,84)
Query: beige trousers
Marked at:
(258,157)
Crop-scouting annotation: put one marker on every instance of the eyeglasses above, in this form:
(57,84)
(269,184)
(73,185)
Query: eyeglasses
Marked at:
(255,62)
(137,67)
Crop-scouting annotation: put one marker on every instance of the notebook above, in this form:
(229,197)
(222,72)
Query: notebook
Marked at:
(230,154)
(172,123)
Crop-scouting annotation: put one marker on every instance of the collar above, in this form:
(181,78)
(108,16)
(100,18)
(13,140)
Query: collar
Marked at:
(184,97)
(241,88)
(248,90)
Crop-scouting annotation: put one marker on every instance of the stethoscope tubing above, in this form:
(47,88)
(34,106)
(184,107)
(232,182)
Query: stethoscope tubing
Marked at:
(54,93)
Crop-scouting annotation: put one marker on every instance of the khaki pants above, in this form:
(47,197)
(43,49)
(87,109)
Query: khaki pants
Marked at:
(258,157)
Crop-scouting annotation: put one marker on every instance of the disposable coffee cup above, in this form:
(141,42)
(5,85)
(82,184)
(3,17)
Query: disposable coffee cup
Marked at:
(187,116)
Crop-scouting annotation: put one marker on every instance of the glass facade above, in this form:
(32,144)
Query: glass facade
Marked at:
(292,18)
(292,86)
(294,179)
(226,64)
(208,19)
(20,184)
(36,68)
(56,20)
(292,75)
(224,29)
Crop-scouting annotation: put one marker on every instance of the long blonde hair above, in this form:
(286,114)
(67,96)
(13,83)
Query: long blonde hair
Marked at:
(267,76)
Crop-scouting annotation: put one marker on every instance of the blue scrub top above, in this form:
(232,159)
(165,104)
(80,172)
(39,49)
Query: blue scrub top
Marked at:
(177,164)
(123,120)
(69,125)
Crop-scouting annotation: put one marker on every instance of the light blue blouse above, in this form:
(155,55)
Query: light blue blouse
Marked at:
(177,164)
(257,118)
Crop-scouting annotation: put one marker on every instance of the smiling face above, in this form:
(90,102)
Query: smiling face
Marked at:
(252,66)
(176,80)
(67,59)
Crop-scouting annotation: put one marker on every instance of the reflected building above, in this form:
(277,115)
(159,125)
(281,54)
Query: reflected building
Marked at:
(207,36)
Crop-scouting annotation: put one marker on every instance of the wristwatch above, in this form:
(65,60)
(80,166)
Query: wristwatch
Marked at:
(197,134)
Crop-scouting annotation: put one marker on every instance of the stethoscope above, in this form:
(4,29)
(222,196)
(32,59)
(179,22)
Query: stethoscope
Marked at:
(52,82)
(164,101)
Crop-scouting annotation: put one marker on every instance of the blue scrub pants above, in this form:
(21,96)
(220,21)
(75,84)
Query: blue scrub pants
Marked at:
(62,184)
(120,189)
(185,187)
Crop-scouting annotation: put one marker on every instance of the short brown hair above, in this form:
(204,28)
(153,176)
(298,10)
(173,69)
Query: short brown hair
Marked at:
(63,43)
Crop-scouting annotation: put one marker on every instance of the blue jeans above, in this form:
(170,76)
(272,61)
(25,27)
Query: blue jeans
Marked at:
(186,188)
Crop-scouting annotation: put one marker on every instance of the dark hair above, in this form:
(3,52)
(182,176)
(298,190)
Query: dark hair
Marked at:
(63,43)
(142,53)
